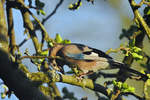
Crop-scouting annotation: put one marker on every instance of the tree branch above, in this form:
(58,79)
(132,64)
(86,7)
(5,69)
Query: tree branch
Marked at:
(52,76)
(19,4)
(17,81)
(11,32)
(3,26)
(13,77)
(139,38)
(138,17)
(53,12)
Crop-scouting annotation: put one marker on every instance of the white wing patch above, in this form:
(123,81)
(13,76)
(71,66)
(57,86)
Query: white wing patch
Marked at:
(92,56)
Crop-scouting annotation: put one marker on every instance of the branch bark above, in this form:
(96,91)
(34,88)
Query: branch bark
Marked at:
(12,76)
(52,76)
(138,17)
(139,38)
(11,32)
(17,81)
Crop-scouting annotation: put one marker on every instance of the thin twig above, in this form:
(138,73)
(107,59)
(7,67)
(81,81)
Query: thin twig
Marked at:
(24,41)
(20,5)
(40,57)
(53,12)
(138,16)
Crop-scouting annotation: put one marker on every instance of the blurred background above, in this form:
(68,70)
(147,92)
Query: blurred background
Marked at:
(98,26)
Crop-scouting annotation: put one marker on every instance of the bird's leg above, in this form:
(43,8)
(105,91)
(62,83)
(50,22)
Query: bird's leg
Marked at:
(56,67)
(78,75)
(75,70)
(85,74)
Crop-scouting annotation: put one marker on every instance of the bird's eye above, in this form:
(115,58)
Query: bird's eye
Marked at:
(87,53)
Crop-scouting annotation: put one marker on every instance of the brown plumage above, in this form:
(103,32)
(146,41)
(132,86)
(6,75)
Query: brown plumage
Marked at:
(86,59)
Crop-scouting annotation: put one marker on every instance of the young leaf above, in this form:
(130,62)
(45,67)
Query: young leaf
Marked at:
(44,53)
(58,38)
(66,41)
(137,56)
(3,95)
(42,12)
(75,6)
(136,49)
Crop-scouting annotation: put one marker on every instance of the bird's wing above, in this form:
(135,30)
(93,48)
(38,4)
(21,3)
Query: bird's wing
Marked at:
(82,52)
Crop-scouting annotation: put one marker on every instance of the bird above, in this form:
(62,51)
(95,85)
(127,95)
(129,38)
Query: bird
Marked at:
(84,60)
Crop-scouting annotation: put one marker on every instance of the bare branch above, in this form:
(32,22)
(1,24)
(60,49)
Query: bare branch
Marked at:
(17,81)
(138,17)
(52,76)
(53,12)
(11,31)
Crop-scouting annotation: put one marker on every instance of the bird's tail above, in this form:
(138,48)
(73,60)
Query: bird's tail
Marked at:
(120,65)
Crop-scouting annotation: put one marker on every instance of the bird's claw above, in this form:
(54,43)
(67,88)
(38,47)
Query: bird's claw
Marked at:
(79,78)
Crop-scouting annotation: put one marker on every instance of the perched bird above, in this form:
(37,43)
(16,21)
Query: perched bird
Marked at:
(86,59)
